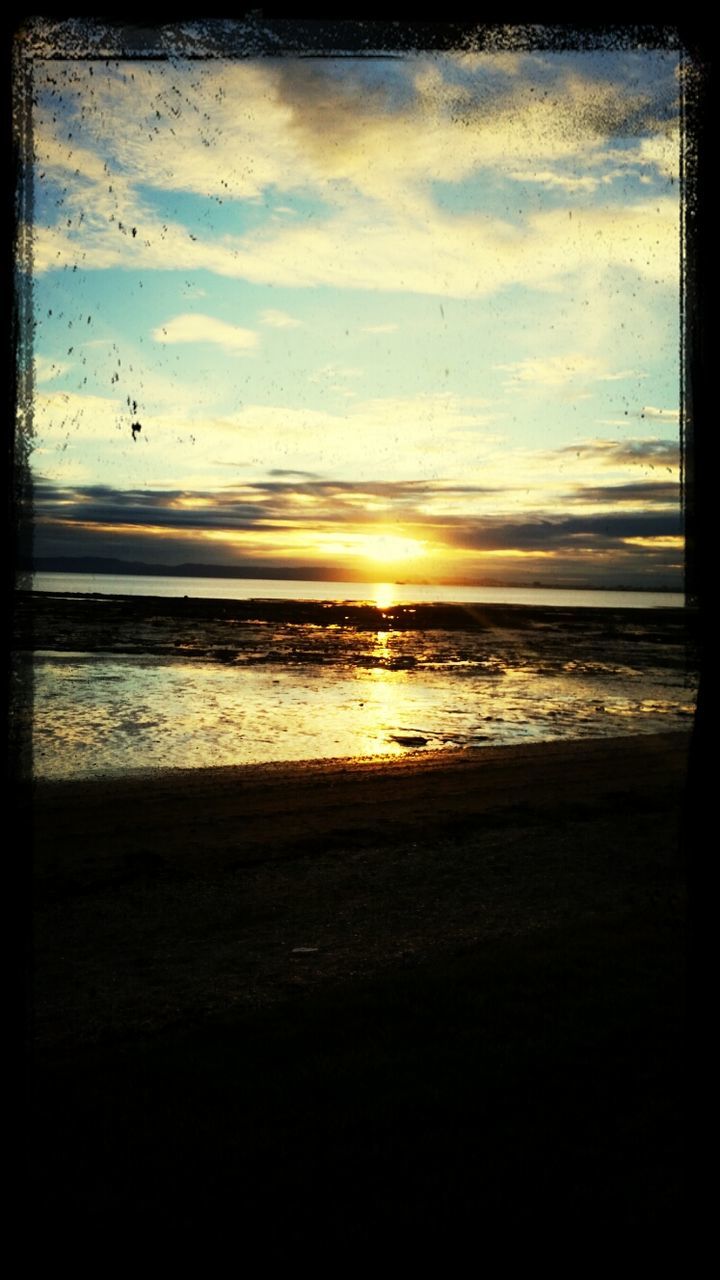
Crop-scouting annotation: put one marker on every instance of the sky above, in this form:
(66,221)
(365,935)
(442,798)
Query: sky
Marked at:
(412,318)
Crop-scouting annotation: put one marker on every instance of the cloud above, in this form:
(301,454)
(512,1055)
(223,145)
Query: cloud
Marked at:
(667,415)
(269,526)
(652,453)
(186,439)
(485,119)
(622,375)
(660,492)
(572,533)
(60,410)
(192,327)
(332,372)
(565,181)
(279,319)
(289,508)
(298,475)
(553,371)
(289,502)
(367,143)
(47,370)
(563,370)
(467,256)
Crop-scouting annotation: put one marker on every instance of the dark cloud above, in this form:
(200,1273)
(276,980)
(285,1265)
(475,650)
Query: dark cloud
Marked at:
(586,532)
(56,538)
(302,475)
(393,490)
(336,98)
(610,94)
(101,504)
(653,453)
(50,496)
(64,513)
(263,505)
(661,492)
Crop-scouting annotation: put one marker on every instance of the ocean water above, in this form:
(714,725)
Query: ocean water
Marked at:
(159,691)
(384,593)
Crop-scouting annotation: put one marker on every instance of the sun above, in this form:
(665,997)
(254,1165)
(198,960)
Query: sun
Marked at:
(386,548)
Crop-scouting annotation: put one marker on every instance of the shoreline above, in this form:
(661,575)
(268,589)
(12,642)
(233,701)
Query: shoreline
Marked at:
(329,796)
(441,761)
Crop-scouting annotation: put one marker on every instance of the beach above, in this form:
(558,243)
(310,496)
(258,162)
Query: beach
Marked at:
(130,683)
(356,640)
(470,923)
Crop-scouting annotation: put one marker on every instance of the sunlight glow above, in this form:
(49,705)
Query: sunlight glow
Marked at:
(384,595)
(389,547)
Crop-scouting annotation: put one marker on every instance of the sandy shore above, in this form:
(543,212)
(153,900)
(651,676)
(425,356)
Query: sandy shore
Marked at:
(414,1003)
(179,895)
(203,819)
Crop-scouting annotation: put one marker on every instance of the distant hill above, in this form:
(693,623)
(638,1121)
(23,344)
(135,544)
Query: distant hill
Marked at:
(107,564)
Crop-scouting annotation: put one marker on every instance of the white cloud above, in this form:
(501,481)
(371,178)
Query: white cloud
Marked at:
(47,370)
(466,257)
(329,372)
(667,415)
(191,327)
(62,419)
(422,437)
(573,371)
(231,131)
(443,407)
(443,439)
(553,371)
(279,319)
(553,178)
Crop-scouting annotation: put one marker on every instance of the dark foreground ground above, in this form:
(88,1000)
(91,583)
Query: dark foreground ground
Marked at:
(437,1003)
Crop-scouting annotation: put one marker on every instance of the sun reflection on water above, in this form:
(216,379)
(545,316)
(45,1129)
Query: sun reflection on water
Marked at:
(382,644)
(384,595)
(355,693)
(383,699)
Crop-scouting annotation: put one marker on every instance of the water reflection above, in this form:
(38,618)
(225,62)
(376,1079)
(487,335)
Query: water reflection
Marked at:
(382,645)
(382,702)
(112,714)
(383,595)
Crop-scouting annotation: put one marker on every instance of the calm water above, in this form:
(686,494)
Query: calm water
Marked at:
(317,693)
(382,592)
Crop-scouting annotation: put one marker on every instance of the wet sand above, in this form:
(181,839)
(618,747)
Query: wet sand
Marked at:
(203,820)
(296,631)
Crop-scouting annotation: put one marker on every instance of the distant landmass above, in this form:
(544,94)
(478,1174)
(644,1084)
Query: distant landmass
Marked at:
(107,564)
(138,568)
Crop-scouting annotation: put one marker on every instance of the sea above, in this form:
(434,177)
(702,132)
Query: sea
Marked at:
(362,592)
(123,681)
